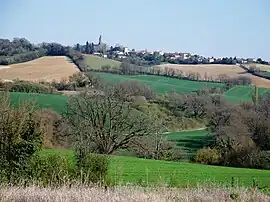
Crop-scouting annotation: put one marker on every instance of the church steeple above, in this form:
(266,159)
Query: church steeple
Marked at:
(99,40)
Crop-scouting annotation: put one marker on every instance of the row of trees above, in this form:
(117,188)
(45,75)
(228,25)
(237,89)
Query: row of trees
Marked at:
(20,50)
(16,46)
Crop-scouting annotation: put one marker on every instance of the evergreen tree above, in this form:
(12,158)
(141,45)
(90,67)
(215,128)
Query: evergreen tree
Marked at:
(87,48)
(78,48)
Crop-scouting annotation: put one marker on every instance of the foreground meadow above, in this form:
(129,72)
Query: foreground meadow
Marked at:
(126,170)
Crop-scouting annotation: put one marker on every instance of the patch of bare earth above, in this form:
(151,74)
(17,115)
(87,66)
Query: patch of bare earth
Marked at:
(46,68)
(214,70)
(124,194)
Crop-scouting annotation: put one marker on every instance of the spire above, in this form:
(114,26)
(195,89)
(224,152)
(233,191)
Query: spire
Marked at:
(99,40)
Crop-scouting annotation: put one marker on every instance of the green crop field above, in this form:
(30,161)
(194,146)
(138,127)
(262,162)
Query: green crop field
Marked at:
(56,102)
(161,84)
(96,62)
(135,170)
(190,141)
(242,93)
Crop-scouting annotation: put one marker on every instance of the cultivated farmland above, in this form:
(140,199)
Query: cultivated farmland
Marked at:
(96,62)
(161,84)
(42,101)
(214,70)
(46,68)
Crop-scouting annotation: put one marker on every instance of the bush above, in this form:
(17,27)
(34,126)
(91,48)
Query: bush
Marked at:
(26,87)
(93,167)
(261,160)
(20,138)
(156,147)
(62,85)
(79,80)
(207,156)
(51,170)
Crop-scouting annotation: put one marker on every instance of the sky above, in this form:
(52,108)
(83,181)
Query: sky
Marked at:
(218,28)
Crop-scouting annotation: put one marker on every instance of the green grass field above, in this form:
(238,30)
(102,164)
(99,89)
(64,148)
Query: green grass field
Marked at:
(134,170)
(190,141)
(161,84)
(242,93)
(56,102)
(96,62)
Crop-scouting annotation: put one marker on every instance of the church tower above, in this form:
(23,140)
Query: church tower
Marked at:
(99,40)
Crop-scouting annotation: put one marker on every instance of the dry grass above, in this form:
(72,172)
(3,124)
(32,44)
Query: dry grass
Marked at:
(46,68)
(124,194)
(214,70)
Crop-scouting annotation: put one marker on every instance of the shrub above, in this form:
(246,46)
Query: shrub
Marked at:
(26,86)
(79,80)
(51,169)
(156,147)
(93,167)
(207,156)
(261,160)
(20,138)
(63,85)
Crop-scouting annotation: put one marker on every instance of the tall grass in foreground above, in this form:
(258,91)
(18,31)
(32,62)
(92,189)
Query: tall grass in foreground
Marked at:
(129,193)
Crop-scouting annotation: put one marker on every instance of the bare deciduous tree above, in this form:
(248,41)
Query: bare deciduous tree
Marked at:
(105,122)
